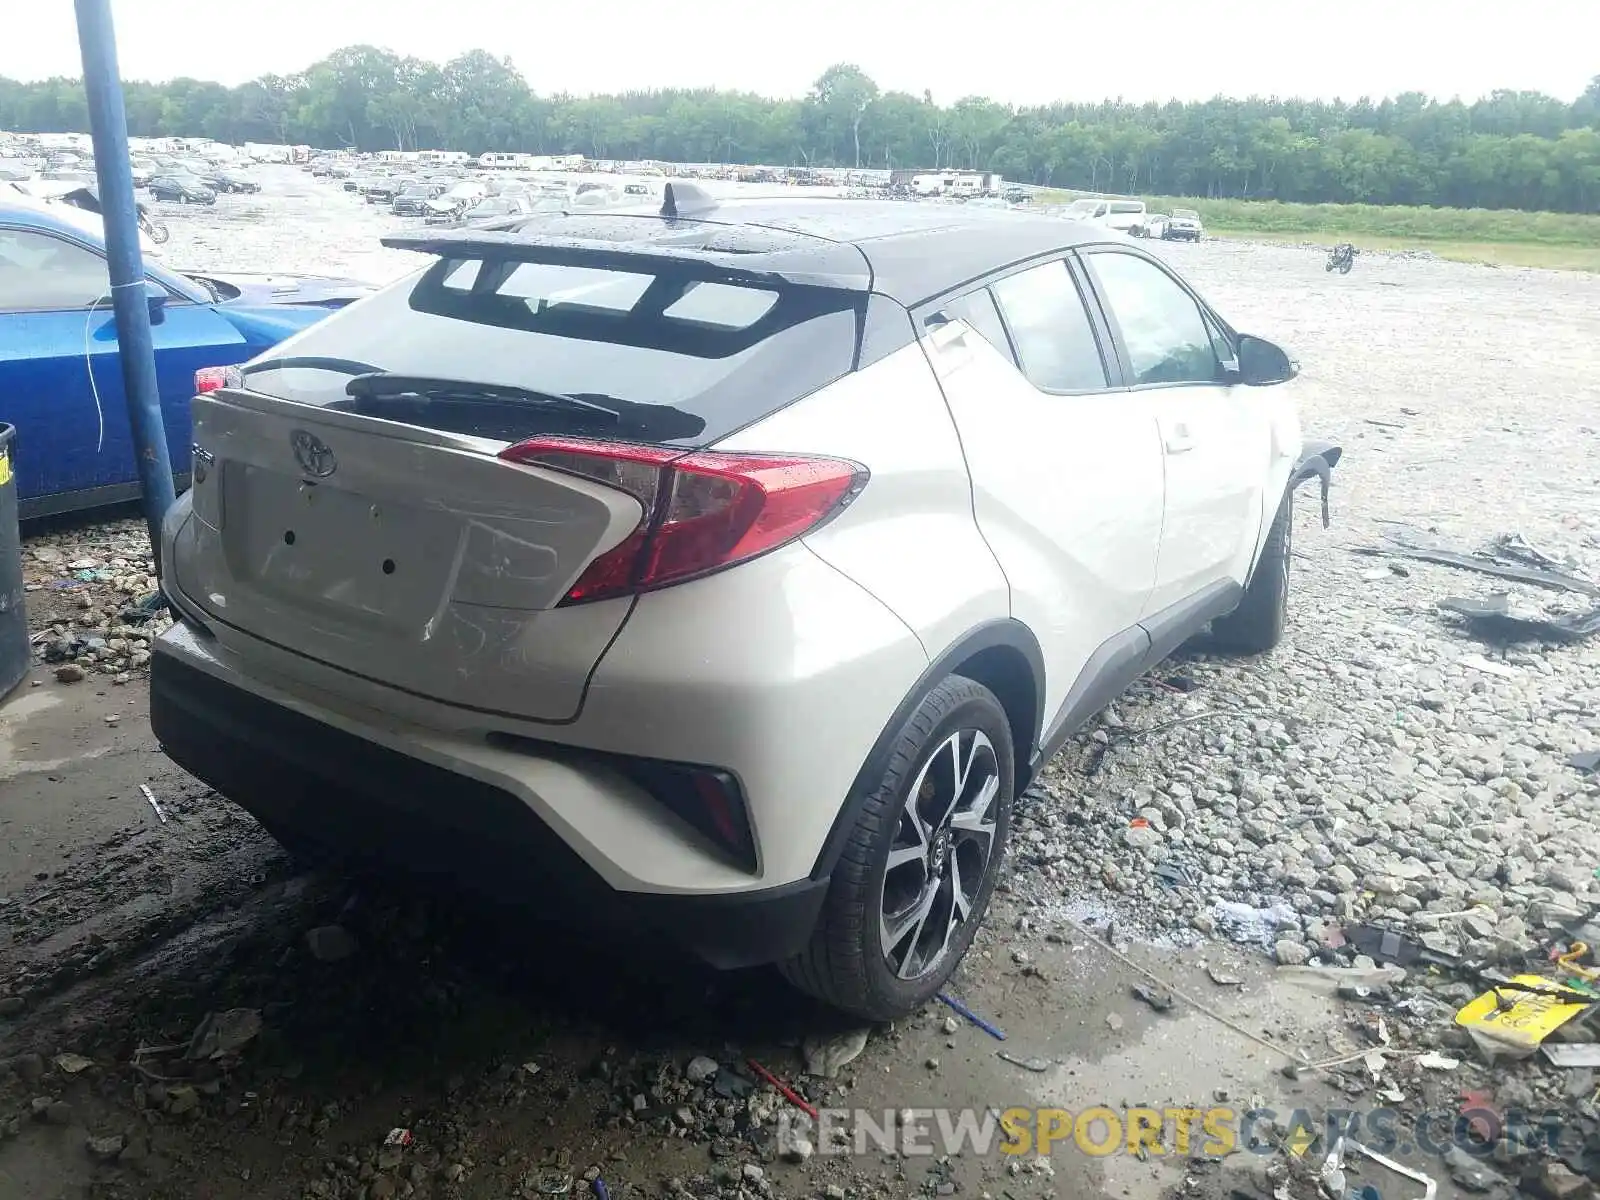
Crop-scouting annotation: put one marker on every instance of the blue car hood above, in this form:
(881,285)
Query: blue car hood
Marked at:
(283,289)
(265,325)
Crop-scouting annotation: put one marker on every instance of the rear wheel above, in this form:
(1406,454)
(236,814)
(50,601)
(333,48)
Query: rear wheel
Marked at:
(915,877)
(1256,626)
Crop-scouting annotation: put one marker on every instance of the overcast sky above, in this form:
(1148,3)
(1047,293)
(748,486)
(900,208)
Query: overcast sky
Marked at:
(1018,51)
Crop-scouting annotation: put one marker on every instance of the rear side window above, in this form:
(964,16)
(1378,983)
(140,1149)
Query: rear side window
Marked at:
(682,358)
(1050,327)
(977,309)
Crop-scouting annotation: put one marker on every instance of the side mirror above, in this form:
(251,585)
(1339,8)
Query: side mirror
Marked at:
(1262,363)
(158,307)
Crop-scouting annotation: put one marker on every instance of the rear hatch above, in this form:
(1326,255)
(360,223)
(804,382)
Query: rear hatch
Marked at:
(363,496)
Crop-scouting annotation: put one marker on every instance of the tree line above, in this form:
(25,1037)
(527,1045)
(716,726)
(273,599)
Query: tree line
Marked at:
(1522,150)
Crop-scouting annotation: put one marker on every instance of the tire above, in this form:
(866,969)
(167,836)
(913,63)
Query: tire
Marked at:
(1346,266)
(1256,626)
(847,964)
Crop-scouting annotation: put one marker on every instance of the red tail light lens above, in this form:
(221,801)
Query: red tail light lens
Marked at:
(209,379)
(703,510)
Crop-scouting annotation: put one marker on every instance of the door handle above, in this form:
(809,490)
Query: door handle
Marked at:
(1179,440)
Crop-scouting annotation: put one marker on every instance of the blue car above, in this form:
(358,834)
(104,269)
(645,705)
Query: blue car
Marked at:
(60,378)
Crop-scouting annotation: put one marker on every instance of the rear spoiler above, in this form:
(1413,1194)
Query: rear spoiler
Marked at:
(811,262)
(1316,461)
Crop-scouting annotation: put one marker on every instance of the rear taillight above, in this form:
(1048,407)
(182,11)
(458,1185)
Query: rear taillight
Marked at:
(209,379)
(703,510)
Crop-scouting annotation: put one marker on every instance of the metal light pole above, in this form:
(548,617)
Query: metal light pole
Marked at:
(108,125)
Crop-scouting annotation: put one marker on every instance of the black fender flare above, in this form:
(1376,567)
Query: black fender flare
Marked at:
(1317,461)
(1007,632)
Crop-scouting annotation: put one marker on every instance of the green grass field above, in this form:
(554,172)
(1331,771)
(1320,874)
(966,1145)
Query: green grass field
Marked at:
(1567,241)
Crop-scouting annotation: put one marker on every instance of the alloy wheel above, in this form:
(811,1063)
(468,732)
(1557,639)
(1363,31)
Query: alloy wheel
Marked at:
(941,853)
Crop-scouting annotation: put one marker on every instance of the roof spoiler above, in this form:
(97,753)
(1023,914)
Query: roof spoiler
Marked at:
(682,199)
(519,245)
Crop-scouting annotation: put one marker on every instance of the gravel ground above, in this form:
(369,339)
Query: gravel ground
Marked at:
(1382,765)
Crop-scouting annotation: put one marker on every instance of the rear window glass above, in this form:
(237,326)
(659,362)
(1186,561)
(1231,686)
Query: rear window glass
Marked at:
(680,359)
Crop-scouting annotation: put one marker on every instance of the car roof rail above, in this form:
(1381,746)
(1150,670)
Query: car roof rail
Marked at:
(681,199)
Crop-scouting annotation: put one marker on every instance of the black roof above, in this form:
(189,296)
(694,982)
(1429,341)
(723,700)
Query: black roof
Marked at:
(906,250)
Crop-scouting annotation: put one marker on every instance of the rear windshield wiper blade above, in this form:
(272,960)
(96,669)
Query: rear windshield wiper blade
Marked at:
(380,384)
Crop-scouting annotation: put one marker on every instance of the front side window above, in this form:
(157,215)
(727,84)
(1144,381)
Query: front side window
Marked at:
(1167,338)
(41,272)
(1050,328)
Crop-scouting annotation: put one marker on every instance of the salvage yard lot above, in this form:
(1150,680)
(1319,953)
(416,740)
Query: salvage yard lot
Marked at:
(1502,237)
(1367,768)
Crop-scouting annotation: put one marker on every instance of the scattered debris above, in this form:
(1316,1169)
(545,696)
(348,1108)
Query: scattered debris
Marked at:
(1223,978)
(992,1030)
(151,797)
(1515,1016)
(72,1064)
(1478,663)
(784,1089)
(1471,1172)
(1027,1064)
(1333,1176)
(224,1033)
(105,1149)
(826,1056)
(1410,544)
(1572,1054)
(1498,619)
(700,1069)
(1157,998)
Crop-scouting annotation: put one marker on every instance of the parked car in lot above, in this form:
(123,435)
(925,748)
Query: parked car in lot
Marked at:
(1148,226)
(412,200)
(60,378)
(1183,225)
(383,191)
(768,550)
(505,205)
(232,181)
(1123,215)
(182,189)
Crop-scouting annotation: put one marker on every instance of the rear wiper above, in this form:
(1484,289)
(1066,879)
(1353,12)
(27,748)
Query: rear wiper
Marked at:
(378,384)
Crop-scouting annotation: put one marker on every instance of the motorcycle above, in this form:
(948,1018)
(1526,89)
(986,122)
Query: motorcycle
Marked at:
(1343,258)
(157,230)
(88,199)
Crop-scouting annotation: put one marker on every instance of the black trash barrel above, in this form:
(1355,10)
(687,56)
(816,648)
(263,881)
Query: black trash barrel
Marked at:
(14,651)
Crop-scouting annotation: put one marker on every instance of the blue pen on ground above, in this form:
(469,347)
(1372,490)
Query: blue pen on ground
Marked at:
(966,1012)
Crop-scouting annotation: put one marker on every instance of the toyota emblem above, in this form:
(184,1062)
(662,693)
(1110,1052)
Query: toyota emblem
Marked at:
(312,453)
